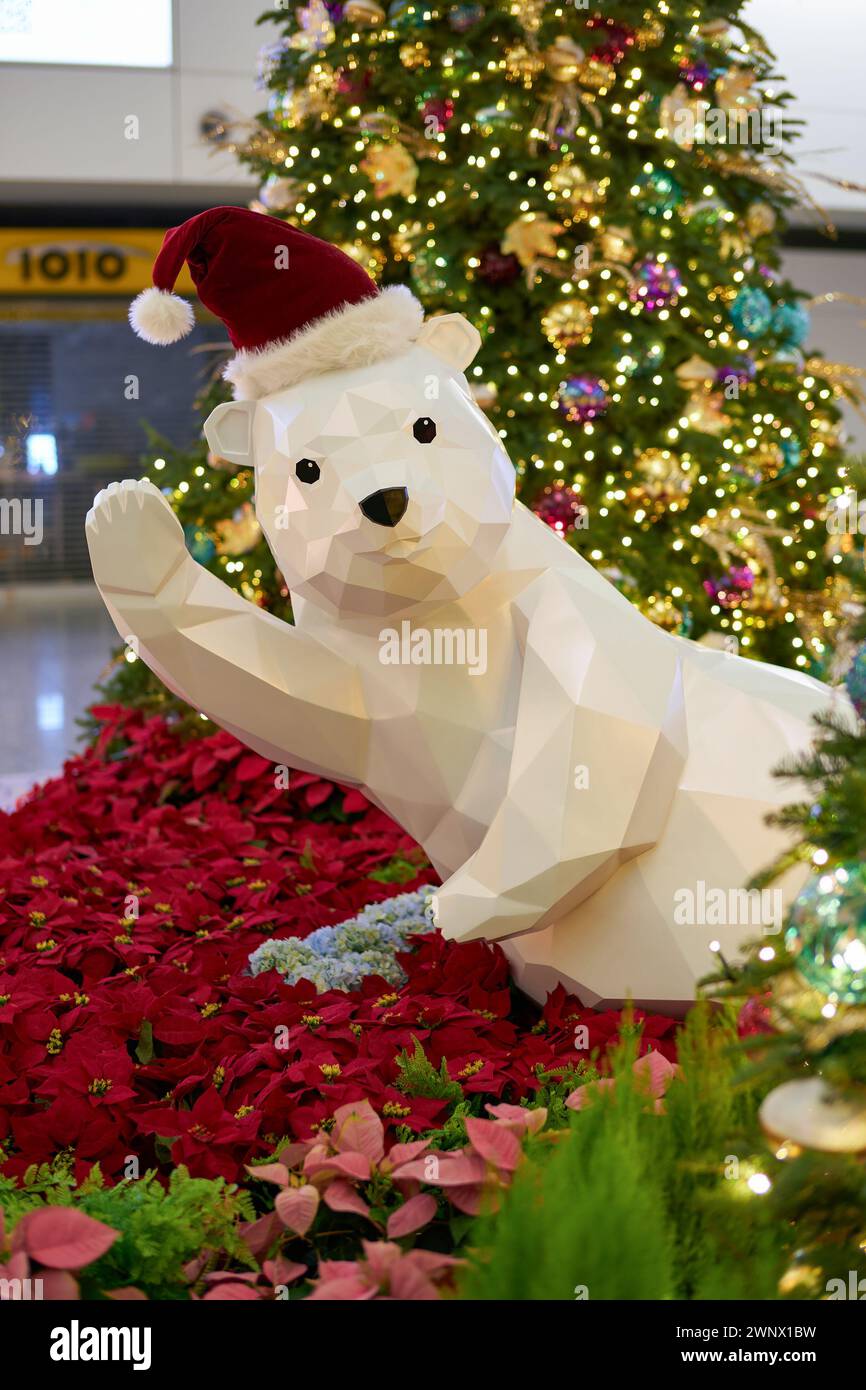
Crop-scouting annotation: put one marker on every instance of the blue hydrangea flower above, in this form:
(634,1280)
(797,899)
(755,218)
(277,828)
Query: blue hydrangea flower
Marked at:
(341,957)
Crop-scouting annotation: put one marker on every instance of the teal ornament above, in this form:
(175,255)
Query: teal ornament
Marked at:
(650,358)
(492,116)
(855,681)
(827,931)
(405,14)
(792,452)
(199,544)
(791,324)
(751,312)
(659,192)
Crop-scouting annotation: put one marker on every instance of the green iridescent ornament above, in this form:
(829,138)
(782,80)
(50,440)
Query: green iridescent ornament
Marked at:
(827,931)
(650,359)
(659,192)
(427,276)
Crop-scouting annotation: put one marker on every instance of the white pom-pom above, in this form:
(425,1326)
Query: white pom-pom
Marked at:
(160,317)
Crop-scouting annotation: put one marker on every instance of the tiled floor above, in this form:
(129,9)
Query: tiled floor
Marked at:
(52,648)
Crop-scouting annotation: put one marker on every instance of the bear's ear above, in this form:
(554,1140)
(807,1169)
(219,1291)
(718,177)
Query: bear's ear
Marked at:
(229,431)
(451,337)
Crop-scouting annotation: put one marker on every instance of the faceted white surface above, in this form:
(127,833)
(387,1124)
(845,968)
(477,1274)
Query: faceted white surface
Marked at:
(578,871)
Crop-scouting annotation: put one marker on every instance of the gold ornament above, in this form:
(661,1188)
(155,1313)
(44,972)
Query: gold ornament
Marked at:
(767,458)
(414,55)
(717,31)
(704,413)
(372,258)
(568,324)
(760,219)
(238,533)
(734,90)
(574,188)
(615,244)
(733,246)
(651,32)
(662,476)
(529,237)
(596,75)
(529,13)
(694,372)
(364,12)
(681,116)
(484,394)
(405,239)
(522,64)
(391,169)
(563,59)
(662,612)
(825,616)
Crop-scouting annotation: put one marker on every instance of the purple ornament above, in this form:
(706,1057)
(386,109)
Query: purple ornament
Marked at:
(656,284)
(742,371)
(462,18)
(582,398)
(695,75)
(730,588)
(561,508)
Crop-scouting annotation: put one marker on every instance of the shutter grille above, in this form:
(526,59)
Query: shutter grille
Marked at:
(65,371)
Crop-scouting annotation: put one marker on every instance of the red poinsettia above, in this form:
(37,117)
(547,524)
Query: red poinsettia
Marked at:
(133,889)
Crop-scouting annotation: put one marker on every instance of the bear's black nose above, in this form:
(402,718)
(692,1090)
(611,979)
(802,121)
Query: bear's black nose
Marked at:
(386,507)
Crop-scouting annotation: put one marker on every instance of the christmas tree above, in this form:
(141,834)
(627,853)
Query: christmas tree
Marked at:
(603,195)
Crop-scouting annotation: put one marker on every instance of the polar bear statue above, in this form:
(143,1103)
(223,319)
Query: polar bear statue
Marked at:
(572,783)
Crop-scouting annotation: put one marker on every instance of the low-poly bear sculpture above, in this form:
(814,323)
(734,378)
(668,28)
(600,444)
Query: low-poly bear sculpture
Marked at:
(574,779)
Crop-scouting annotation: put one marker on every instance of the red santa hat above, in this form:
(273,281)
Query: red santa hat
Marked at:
(294,306)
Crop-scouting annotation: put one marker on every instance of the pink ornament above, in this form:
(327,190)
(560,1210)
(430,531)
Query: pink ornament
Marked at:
(754,1017)
(562,508)
(729,589)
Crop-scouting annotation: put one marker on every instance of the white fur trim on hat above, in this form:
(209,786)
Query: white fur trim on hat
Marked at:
(160,317)
(384,325)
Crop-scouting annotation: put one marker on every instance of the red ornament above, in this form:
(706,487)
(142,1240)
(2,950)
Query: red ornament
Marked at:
(754,1017)
(561,508)
(353,83)
(496,268)
(440,109)
(617,39)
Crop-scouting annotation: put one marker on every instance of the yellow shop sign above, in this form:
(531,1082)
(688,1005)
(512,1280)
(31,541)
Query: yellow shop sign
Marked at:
(61,260)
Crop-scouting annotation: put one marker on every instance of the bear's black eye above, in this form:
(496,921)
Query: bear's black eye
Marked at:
(308,471)
(424,430)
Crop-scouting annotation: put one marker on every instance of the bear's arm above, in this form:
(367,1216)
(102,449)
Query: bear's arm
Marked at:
(599,746)
(277,689)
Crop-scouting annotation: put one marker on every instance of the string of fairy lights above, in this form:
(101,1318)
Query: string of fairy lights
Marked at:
(576,404)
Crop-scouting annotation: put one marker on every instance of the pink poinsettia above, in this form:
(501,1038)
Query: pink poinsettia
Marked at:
(56,1240)
(385,1272)
(330,1168)
(475,1176)
(654,1075)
